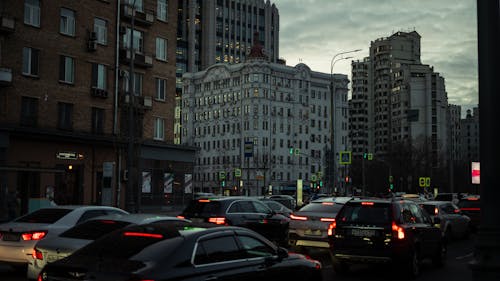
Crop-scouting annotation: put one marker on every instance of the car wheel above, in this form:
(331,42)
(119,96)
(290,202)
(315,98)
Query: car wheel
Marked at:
(439,257)
(413,265)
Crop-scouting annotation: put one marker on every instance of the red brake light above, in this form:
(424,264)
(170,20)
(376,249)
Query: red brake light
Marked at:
(398,231)
(331,228)
(327,219)
(204,200)
(35,235)
(108,221)
(37,254)
(328,203)
(217,220)
(142,234)
(470,209)
(436,210)
(300,218)
(181,217)
(367,203)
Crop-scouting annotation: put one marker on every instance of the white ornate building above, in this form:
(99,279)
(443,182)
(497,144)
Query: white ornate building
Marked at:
(276,108)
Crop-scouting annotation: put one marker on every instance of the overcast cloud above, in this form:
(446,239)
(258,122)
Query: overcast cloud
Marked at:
(313,31)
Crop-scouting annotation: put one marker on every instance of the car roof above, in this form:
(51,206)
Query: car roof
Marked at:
(340,200)
(138,218)
(435,202)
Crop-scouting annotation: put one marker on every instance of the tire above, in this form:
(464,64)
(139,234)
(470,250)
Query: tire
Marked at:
(439,258)
(413,265)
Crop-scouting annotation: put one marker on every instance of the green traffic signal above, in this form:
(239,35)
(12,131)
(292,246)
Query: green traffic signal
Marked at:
(291,150)
(391,186)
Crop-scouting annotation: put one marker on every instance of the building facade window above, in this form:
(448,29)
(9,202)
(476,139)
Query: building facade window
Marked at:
(30,61)
(101,30)
(159,127)
(162,10)
(161,49)
(139,6)
(29,112)
(32,12)
(65,120)
(138,40)
(67,24)
(99,76)
(97,121)
(67,69)
(161,89)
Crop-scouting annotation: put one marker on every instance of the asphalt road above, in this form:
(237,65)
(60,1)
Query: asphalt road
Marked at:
(460,253)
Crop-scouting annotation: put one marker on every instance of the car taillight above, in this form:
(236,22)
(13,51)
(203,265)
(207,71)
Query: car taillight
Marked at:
(436,211)
(217,220)
(33,235)
(181,217)
(331,228)
(470,209)
(300,218)
(398,231)
(327,219)
(37,254)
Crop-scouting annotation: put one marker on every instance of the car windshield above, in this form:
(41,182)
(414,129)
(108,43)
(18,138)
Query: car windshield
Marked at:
(91,230)
(321,207)
(371,214)
(49,215)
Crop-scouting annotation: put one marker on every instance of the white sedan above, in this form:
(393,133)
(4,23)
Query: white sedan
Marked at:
(60,246)
(18,237)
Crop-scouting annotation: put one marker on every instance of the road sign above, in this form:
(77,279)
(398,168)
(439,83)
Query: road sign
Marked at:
(370,156)
(421,182)
(297,151)
(313,178)
(427,181)
(237,173)
(345,157)
(248,149)
(222,175)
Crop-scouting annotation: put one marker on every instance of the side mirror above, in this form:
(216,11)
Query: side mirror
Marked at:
(282,253)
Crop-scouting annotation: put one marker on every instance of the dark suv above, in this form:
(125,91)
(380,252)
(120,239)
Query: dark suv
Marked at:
(385,231)
(240,211)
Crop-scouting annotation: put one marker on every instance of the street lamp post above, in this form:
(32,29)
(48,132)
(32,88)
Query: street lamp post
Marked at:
(333,163)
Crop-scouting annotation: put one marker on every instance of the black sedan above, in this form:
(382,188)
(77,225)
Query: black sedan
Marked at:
(162,252)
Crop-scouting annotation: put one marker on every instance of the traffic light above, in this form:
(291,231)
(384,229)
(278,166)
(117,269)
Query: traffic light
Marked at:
(321,183)
(391,186)
(365,155)
(291,150)
(223,183)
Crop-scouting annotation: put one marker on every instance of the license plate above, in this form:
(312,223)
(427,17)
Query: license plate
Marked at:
(363,232)
(10,237)
(197,220)
(313,232)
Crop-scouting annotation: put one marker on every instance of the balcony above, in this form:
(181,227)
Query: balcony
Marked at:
(5,76)
(7,24)
(142,18)
(140,60)
(141,102)
(98,93)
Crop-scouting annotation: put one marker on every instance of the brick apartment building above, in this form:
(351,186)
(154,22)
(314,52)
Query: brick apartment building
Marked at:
(64,102)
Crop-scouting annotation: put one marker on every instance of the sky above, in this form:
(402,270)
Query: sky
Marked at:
(314,31)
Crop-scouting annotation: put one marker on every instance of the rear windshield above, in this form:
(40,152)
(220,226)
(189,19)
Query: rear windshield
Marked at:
(429,209)
(129,241)
(469,204)
(378,213)
(91,230)
(49,215)
(203,208)
(322,207)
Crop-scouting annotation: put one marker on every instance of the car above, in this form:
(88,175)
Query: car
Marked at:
(453,223)
(385,231)
(277,207)
(448,196)
(200,195)
(240,211)
(57,247)
(471,206)
(162,253)
(309,225)
(19,236)
(287,200)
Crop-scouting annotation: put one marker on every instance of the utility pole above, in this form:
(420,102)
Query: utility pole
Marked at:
(131,157)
